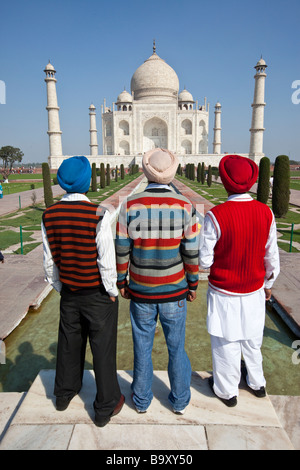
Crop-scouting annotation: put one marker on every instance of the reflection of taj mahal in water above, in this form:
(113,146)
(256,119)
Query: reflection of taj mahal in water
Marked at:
(155,114)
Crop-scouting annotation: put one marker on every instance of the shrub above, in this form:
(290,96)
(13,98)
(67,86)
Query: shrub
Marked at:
(48,195)
(263,186)
(281,186)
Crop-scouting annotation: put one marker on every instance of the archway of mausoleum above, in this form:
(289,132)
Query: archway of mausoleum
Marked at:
(155,134)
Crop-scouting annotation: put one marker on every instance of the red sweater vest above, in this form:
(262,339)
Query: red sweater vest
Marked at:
(239,253)
(71,232)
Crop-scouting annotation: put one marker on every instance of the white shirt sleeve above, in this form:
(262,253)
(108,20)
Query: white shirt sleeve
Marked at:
(209,235)
(50,268)
(107,256)
(271,260)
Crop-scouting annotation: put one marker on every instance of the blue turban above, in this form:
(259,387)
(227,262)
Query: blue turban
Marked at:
(74,175)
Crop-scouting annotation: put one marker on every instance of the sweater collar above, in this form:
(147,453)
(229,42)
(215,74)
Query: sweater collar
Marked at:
(244,197)
(158,186)
(75,197)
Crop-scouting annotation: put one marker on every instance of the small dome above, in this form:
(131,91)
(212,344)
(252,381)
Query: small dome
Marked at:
(185,95)
(49,67)
(261,65)
(218,105)
(124,97)
(261,62)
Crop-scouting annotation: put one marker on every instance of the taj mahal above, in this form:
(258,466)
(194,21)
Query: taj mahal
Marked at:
(155,114)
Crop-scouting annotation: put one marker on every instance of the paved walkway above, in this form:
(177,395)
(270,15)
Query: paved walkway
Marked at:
(30,421)
(11,202)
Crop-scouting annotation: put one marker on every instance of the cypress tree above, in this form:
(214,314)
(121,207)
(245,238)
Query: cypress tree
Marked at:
(199,172)
(94,177)
(202,173)
(108,174)
(48,195)
(209,176)
(122,172)
(193,171)
(116,175)
(281,186)
(102,175)
(263,186)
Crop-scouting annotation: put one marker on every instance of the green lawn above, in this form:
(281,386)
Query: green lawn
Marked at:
(12,188)
(10,237)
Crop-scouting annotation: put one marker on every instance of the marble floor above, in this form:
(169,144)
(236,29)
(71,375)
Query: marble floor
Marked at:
(206,425)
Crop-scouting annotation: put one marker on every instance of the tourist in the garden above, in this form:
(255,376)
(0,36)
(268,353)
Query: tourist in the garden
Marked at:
(1,258)
(79,261)
(156,242)
(1,191)
(238,242)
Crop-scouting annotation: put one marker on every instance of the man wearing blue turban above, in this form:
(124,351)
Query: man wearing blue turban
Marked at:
(79,262)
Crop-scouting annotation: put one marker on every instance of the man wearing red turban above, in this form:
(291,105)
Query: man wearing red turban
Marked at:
(238,242)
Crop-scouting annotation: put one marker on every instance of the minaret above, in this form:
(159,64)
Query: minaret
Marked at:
(217,130)
(93,131)
(54,131)
(257,124)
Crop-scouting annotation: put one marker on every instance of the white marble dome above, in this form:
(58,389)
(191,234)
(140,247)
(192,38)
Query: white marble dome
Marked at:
(155,80)
(124,97)
(185,96)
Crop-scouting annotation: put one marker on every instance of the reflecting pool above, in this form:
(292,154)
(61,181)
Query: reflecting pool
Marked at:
(32,346)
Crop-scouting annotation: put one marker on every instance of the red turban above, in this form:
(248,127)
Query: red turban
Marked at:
(238,174)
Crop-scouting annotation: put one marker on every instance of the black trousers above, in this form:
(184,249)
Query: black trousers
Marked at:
(92,316)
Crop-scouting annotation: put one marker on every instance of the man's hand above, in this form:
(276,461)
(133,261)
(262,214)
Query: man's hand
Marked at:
(113,299)
(268,294)
(124,293)
(191,296)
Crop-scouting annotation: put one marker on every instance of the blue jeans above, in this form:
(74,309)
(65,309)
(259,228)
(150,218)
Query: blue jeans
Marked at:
(172,316)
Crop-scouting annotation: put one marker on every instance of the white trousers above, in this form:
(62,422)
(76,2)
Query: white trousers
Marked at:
(227,356)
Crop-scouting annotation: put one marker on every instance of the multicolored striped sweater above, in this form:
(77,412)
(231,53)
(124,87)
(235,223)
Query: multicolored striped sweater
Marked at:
(71,231)
(157,243)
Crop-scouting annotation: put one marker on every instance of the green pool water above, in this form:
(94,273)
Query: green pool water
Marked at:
(32,346)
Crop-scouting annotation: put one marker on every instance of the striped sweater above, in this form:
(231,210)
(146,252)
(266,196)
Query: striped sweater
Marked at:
(71,231)
(157,243)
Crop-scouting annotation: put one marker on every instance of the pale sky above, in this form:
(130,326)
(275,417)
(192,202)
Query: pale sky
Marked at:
(96,46)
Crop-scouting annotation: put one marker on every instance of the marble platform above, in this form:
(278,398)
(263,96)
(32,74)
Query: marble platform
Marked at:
(207,424)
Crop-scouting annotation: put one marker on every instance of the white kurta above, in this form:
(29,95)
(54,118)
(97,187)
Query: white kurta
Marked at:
(236,321)
(229,315)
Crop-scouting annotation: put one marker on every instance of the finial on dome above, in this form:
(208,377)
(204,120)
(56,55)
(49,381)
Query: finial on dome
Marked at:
(154,47)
